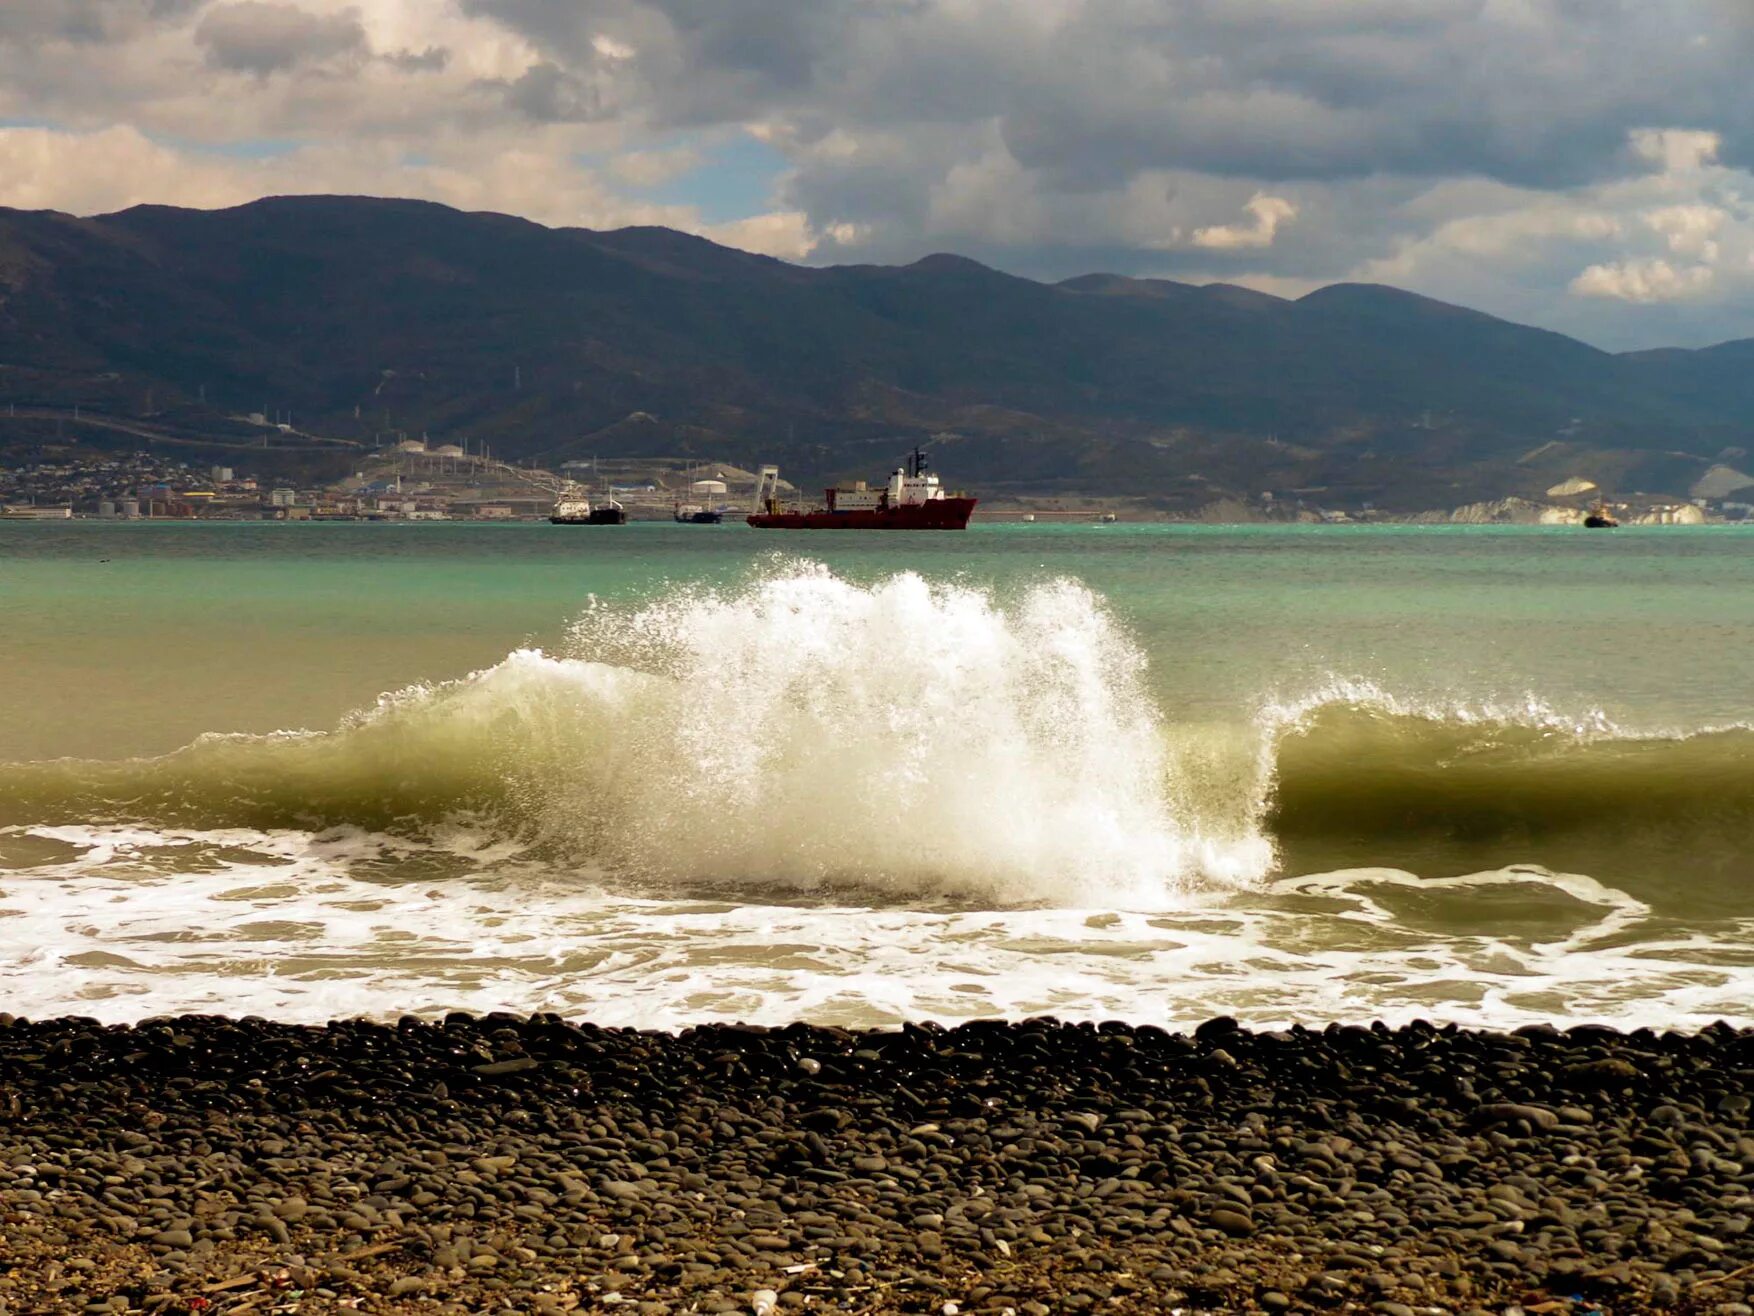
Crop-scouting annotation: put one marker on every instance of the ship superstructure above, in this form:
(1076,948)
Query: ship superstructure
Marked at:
(695,514)
(574,508)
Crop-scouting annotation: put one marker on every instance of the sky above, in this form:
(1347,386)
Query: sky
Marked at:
(1583,165)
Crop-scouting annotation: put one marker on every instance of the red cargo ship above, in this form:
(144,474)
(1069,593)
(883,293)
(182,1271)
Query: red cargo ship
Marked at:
(911,500)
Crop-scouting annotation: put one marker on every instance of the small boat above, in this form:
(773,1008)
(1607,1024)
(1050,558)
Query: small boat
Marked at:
(911,500)
(1600,518)
(575,509)
(693,514)
(1107,518)
(1029,517)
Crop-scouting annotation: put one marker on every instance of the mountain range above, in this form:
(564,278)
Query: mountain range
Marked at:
(364,318)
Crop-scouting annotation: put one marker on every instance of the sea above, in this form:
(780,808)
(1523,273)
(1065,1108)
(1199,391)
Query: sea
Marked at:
(658,775)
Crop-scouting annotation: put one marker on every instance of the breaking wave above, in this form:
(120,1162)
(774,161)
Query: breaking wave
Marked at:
(1359,777)
(797,730)
(801,731)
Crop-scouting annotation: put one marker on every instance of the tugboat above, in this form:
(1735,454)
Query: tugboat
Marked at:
(693,514)
(1600,518)
(575,509)
(910,500)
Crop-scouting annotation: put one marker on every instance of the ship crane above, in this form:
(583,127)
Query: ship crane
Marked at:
(767,488)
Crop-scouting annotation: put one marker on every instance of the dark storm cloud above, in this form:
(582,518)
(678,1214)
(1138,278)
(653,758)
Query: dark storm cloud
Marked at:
(547,93)
(264,36)
(86,20)
(434,59)
(694,61)
(774,45)
(1525,90)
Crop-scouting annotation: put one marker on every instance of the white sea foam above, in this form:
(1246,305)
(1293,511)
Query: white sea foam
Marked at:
(804,730)
(1283,714)
(310,927)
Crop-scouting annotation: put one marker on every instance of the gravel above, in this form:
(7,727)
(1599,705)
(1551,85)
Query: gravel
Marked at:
(505,1163)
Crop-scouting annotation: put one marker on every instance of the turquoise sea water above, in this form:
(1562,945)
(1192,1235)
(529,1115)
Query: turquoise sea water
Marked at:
(659,773)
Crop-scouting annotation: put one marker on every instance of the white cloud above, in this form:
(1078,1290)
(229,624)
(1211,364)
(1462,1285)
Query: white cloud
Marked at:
(1676,150)
(991,195)
(1690,230)
(609,48)
(844,235)
(650,168)
(1541,220)
(1649,279)
(41,169)
(786,234)
(1268,213)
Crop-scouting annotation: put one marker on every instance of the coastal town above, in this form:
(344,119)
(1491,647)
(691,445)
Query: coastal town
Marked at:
(421,480)
(412,480)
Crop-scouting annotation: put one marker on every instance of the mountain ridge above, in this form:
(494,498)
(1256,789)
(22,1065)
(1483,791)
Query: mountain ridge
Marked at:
(368,316)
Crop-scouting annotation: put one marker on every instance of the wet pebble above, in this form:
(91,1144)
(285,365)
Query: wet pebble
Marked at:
(480,1163)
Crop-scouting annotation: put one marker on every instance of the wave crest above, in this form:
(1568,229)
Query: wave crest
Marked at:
(1360,777)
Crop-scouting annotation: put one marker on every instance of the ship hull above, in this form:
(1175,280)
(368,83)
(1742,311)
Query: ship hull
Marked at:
(938,514)
(598,516)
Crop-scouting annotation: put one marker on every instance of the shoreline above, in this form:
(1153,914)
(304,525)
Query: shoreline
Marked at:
(532,1164)
(1084,512)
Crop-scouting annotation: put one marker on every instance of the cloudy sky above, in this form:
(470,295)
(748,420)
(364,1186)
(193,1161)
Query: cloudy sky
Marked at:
(1587,165)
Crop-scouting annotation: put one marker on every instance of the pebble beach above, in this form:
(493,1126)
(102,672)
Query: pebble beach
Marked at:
(506,1163)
